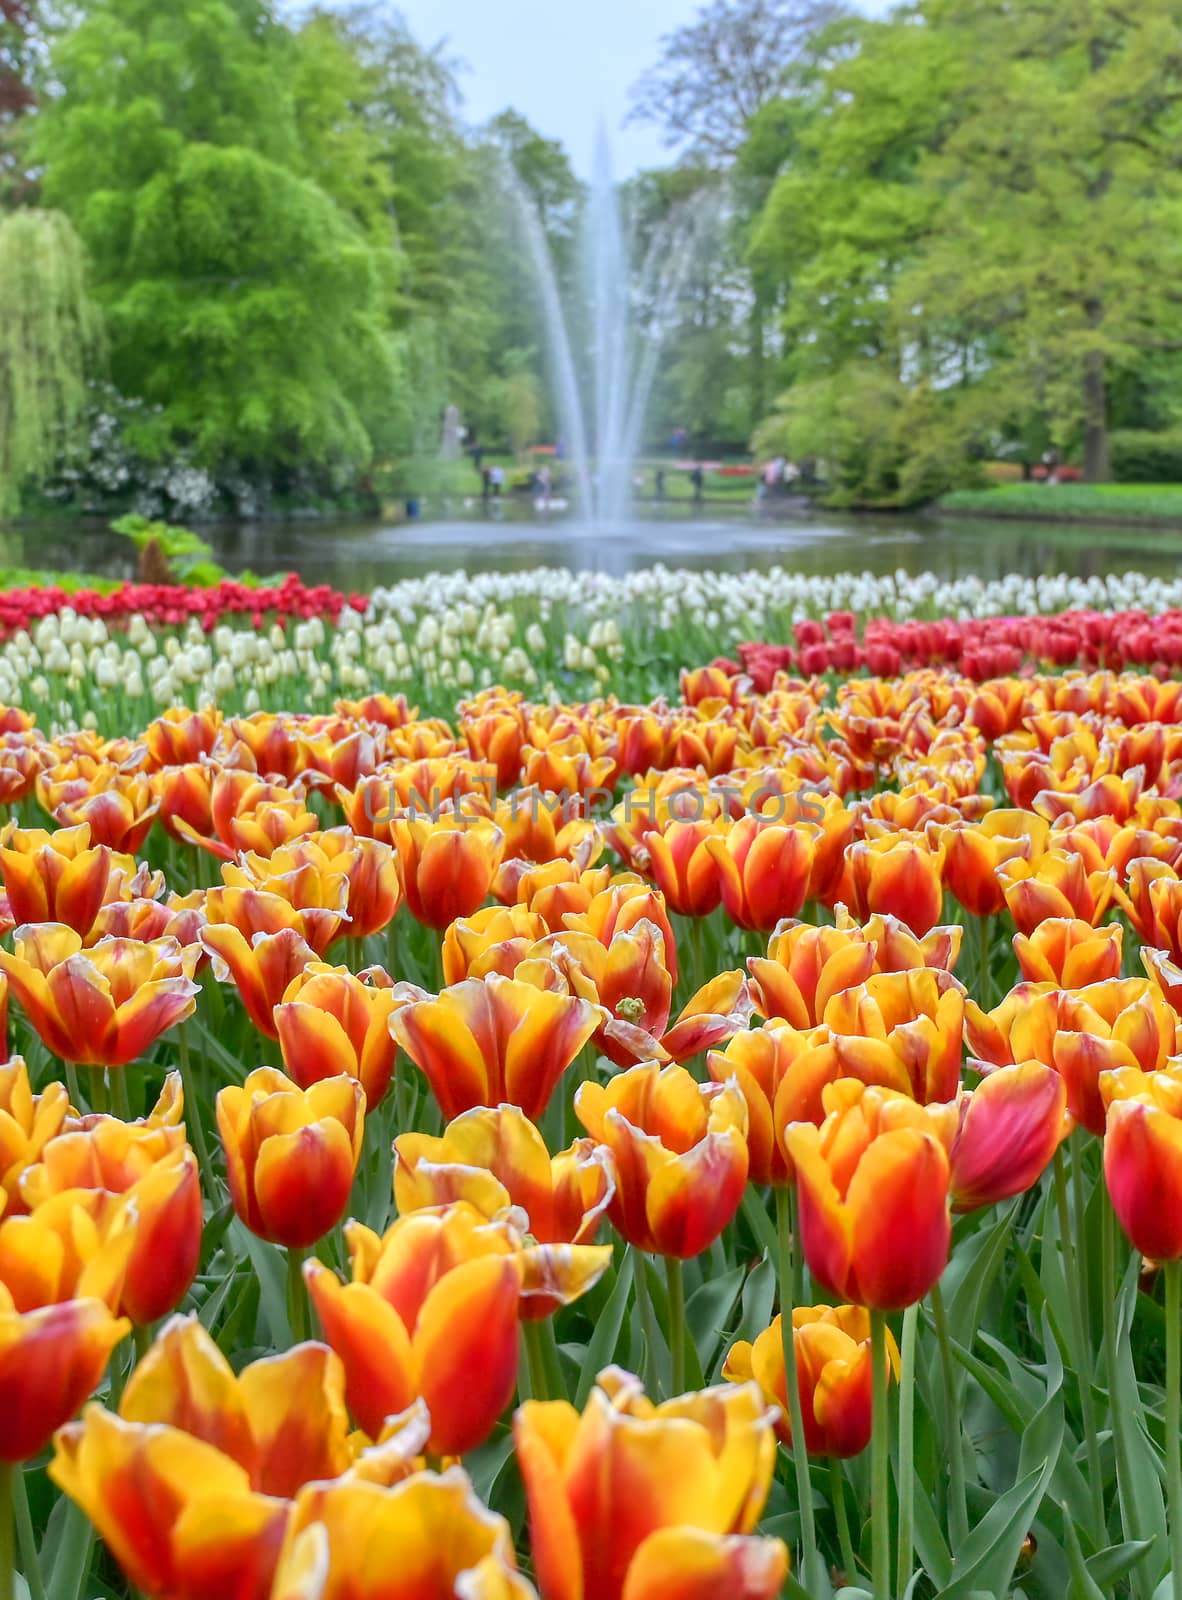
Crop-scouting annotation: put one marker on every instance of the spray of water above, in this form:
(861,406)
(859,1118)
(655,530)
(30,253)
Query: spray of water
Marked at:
(602,411)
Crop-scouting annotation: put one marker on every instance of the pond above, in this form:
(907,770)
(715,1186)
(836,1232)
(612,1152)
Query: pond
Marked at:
(355,555)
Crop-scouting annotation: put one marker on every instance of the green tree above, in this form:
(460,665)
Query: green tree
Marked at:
(50,343)
(240,295)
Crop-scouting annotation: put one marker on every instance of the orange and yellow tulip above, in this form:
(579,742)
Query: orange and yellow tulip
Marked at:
(433,1310)
(973,851)
(1069,952)
(494,1157)
(494,939)
(105,1006)
(682,867)
(900,875)
(693,1473)
(901,1031)
(1056,884)
(764,869)
(291,1153)
(491,1040)
(178,1515)
(446,866)
(781,1073)
(51,1359)
(834,1373)
(624,903)
(873,1185)
(449,1546)
(805,966)
(1143,1156)
(332,1021)
(28,1122)
(262,968)
(680,1149)
(1122,1023)
(57,877)
(371,871)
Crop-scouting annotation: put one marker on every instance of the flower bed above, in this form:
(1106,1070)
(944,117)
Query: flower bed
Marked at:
(419,1129)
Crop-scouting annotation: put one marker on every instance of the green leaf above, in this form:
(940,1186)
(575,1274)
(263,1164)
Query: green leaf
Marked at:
(602,1345)
(708,1310)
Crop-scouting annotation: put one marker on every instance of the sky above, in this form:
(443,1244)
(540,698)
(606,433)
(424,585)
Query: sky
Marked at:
(562,63)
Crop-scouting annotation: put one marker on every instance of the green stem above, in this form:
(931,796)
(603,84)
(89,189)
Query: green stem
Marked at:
(906,1484)
(1132,1512)
(1081,1345)
(98,1089)
(535,1360)
(297,1296)
(117,1090)
(193,1122)
(958,1514)
(849,1559)
(72,1562)
(647,1320)
(1173,1272)
(880,1462)
(7,1541)
(30,1561)
(800,1458)
(142,1337)
(73,1086)
(676,1286)
(984,974)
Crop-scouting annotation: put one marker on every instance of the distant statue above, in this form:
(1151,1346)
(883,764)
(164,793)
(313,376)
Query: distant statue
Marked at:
(698,482)
(659,483)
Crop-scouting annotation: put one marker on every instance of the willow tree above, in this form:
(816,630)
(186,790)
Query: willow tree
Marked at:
(50,337)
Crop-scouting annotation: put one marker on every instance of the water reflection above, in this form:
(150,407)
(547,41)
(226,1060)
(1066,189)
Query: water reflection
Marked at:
(353,555)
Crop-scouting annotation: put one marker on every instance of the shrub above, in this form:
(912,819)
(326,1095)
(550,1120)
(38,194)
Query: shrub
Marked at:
(1140,456)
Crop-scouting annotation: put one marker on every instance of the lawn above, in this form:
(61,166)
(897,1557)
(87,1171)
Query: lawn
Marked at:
(1106,502)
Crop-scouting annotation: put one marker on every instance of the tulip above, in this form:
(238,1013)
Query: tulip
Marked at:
(554,891)
(1069,952)
(433,1311)
(1057,884)
(680,1149)
(834,1373)
(56,877)
(897,949)
(494,1039)
(628,979)
(495,1157)
(371,870)
(332,1022)
(721,1008)
(291,1153)
(494,939)
(625,903)
(973,851)
(180,736)
(178,1515)
(898,875)
(257,900)
(246,813)
(872,1183)
(75,1246)
(763,870)
(51,1358)
(282,1418)
(683,868)
(28,1122)
(261,968)
(448,1545)
(1121,1023)
(1008,1130)
(151,1166)
(902,1031)
(1143,1156)
(692,1472)
(446,866)
(185,794)
(781,1073)
(105,1006)
(804,966)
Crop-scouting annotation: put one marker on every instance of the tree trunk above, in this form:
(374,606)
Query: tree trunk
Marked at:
(1097,460)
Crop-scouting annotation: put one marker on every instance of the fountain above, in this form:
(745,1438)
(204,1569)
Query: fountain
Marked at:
(602,401)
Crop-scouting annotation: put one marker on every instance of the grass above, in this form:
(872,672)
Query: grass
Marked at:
(1105,502)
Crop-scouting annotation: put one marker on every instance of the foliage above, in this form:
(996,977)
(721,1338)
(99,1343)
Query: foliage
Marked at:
(983,202)
(1140,456)
(241,297)
(50,340)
